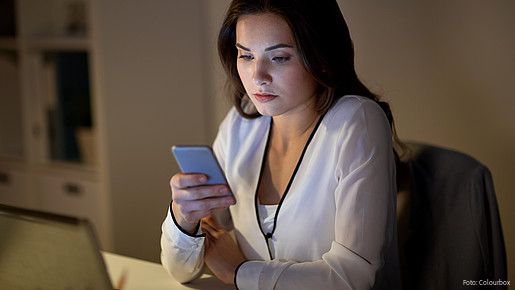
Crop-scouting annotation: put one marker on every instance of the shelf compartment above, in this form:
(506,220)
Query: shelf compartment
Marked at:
(65,106)
(58,43)
(54,18)
(11,123)
(8,43)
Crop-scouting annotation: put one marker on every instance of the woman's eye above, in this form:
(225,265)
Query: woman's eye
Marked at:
(246,57)
(280,59)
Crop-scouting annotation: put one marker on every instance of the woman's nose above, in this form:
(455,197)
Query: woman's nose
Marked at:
(261,75)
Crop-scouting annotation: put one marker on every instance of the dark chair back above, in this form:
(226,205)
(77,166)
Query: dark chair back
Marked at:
(449,227)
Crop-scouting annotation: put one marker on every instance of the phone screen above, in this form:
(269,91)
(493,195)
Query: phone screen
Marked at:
(199,159)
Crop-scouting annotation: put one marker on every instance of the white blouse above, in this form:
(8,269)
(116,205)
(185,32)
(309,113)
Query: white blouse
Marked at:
(335,227)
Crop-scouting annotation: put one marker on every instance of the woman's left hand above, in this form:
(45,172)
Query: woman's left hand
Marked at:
(222,254)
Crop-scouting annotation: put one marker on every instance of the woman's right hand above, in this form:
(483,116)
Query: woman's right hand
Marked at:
(193,200)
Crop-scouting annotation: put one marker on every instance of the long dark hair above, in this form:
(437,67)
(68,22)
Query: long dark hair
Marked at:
(323,42)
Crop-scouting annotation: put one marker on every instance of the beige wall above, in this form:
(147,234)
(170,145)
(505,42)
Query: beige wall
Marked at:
(214,10)
(151,90)
(447,68)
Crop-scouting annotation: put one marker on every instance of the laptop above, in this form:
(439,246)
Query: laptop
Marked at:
(39,250)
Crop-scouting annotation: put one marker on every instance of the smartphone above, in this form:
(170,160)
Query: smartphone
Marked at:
(199,159)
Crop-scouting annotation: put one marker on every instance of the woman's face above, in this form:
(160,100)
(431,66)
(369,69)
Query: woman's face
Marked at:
(270,68)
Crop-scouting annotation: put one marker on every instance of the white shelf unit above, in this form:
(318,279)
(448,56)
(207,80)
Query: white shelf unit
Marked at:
(59,44)
(46,65)
(147,68)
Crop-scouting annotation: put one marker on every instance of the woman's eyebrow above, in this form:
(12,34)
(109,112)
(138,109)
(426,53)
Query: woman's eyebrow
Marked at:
(280,45)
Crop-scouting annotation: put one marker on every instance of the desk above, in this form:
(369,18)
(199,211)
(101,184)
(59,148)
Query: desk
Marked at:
(143,275)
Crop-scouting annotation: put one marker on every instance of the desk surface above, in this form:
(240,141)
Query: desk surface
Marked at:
(143,275)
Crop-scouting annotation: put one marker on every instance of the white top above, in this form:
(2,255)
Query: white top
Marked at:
(336,225)
(267,216)
(266,219)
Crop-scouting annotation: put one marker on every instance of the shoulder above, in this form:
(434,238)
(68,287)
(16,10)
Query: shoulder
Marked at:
(355,111)
(363,132)
(359,122)
(348,106)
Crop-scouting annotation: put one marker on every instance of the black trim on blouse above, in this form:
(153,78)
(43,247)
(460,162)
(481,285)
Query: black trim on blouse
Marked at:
(268,236)
(183,230)
(236,274)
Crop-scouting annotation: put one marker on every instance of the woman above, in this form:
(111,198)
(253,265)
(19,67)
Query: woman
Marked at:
(307,151)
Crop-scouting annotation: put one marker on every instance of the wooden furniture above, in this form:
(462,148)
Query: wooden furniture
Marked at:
(92,96)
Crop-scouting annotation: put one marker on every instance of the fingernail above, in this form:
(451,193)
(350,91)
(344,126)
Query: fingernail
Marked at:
(224,190)
(202,178)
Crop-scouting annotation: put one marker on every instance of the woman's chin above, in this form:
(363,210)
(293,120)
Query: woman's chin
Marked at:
(266,109)
(266,112)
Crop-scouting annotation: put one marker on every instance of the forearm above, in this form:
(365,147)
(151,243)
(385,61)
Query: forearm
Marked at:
(339,268)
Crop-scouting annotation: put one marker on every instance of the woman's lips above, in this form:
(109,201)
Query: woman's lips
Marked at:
(263,98)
